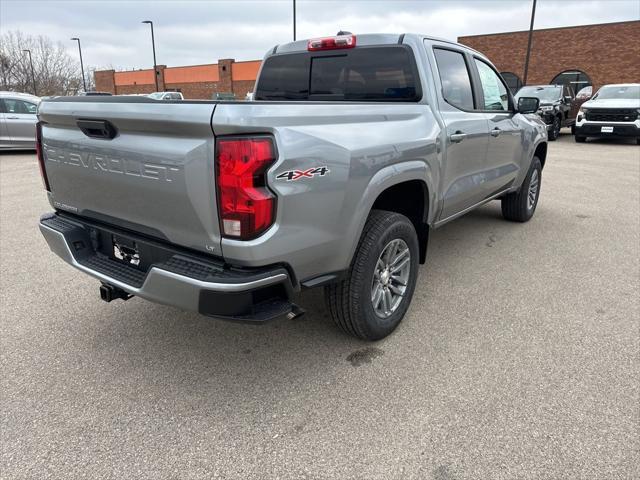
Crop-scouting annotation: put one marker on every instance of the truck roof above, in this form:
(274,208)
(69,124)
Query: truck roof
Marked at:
(367,39)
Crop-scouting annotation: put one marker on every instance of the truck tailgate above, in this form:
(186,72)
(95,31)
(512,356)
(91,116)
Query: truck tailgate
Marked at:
(155,176)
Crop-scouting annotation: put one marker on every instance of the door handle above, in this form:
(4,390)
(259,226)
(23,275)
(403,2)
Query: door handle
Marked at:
(13,118)
(495,132)
(97,128)
(457,137)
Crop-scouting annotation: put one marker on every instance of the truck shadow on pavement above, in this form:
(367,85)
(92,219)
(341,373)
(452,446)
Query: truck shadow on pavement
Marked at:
(143,334)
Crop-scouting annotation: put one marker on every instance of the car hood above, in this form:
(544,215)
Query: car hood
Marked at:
(613,103)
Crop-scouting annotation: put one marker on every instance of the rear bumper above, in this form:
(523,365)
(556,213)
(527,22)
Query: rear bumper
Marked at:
(594,129)
(177,278)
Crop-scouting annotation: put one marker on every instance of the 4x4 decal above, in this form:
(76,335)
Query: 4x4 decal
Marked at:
(293,175)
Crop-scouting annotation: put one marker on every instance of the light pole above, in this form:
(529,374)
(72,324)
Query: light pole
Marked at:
(84,83)
(153,44)
(526,62)
(294,20)
(33,75)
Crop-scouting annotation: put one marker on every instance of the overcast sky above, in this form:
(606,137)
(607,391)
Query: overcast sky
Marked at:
(196,32)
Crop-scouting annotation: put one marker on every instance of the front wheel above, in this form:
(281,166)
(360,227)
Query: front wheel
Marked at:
(521,205)
(375,295)
(580,139)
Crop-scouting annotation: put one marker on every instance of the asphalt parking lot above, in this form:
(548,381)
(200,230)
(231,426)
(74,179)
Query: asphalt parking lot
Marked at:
(519,357)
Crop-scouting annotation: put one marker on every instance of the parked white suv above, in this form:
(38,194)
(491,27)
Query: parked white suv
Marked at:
(614,111)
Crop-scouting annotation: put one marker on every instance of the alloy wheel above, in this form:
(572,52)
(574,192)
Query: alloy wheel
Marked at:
(390,278)
(534,184)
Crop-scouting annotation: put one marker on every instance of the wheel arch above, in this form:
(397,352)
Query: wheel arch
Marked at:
(541,152)
(413,181)
(411,199)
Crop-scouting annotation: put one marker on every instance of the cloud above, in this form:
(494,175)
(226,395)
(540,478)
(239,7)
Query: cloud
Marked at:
(201,32)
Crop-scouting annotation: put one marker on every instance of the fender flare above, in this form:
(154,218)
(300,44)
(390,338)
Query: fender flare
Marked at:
(383,179)
(537,140)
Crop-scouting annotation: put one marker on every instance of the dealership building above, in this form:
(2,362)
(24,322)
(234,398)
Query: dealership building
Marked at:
(579,56)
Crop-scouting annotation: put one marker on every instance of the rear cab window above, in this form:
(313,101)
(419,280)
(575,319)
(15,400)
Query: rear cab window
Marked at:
(376,73)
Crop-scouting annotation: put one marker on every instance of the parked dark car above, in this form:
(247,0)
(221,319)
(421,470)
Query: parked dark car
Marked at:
(555,105)
(583,95)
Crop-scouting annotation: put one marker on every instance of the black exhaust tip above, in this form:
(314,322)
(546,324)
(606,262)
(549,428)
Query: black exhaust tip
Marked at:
(109,293)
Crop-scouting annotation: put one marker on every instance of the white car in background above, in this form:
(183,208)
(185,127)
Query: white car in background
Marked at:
(18,118)
(166,96)
(614,111)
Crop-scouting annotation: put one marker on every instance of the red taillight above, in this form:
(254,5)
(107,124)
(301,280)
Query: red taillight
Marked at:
(332,43)
(245,204)
(40,155)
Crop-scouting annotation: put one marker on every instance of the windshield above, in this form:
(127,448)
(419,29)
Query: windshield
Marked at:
(585,92)
(621,91)
(545,94)
(156,95)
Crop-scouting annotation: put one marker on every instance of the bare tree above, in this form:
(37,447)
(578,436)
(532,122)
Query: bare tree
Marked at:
(54,70)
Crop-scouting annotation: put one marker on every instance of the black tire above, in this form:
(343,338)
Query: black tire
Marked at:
(554,133)
(573,129)
(637,141)
(516,206)
(579,139)
(349,301)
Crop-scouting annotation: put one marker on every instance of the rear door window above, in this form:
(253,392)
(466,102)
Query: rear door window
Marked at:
(384,74)
(455,78)
(10,105)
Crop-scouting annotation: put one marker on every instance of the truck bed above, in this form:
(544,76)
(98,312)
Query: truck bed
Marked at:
(156,176)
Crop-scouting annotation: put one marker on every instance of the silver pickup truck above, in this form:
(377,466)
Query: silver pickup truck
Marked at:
(354,148)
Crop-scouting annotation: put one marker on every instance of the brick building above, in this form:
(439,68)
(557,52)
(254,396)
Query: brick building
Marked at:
(580,56)
(195,82)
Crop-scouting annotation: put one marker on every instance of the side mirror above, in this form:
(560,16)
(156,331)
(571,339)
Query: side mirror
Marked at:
(528,104)
(568,98)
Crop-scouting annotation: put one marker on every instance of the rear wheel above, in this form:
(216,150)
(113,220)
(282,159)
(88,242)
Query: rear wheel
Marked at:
(520,206)
(554,133)
(374,297)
